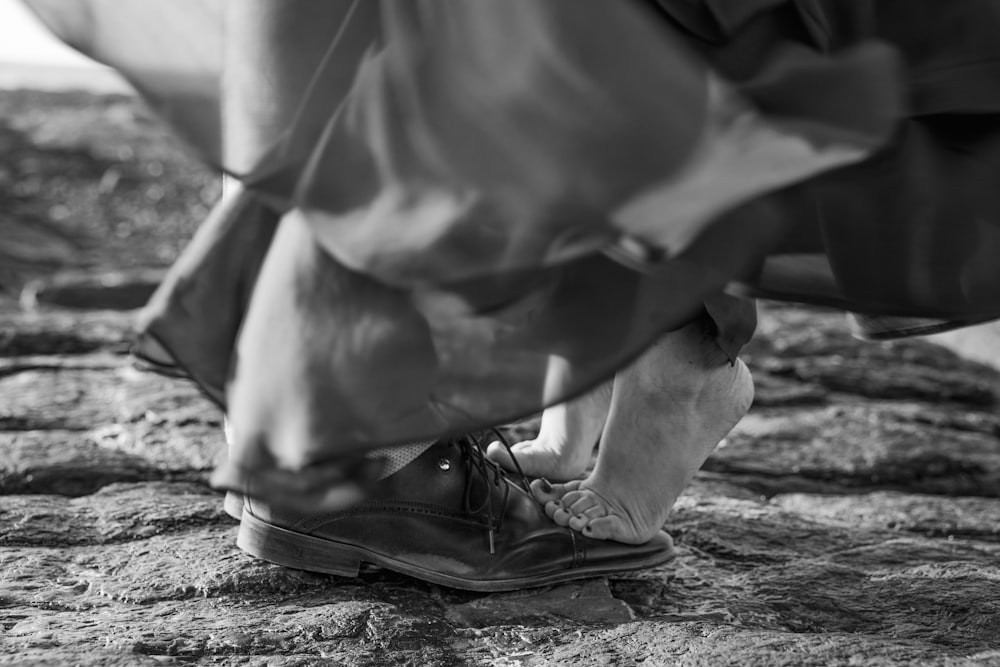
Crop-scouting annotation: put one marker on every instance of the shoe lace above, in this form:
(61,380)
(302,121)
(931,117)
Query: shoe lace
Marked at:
(474,457)
(522,478)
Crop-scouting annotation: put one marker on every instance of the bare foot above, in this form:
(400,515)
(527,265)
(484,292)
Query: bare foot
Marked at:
(668,412)
(566,439)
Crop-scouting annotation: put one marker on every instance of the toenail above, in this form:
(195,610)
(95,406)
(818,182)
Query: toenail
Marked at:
(546,485)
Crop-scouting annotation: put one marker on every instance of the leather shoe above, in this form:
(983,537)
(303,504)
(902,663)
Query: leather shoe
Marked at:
(450,517)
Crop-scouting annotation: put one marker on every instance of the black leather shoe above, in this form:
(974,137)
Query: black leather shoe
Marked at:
(450,517)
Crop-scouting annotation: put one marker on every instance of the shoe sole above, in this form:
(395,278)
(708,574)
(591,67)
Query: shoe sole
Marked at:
(305,552)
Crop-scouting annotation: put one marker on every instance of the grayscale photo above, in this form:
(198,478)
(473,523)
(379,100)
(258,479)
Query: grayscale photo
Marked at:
(502,333)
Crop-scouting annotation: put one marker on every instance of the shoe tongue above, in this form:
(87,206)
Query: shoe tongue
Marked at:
(398,458)
(437,476)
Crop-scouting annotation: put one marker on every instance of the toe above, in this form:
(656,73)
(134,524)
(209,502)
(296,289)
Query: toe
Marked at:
(613,527)
(571,497)
(543,491)
(582,504)
(603,528)
(497,453)
(558,513)
(546,492)
(579,522)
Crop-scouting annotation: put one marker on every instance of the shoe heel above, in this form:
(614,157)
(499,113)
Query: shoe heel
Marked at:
(301,552)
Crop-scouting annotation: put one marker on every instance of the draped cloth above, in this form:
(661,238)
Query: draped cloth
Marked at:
(911,232)
(469,190)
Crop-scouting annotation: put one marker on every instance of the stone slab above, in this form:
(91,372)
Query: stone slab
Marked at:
(62,332)
(863,445)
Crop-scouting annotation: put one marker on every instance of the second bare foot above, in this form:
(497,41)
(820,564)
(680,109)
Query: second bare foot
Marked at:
(655,440)
(565,444)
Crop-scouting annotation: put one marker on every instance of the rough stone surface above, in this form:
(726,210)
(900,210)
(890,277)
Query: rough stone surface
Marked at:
(830,528)
(851,519)
(61,332)
(107,291)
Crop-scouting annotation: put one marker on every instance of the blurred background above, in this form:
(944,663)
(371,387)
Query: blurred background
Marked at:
(31,57)
(96,196)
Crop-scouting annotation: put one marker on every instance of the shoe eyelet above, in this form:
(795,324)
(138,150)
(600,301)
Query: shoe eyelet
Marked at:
(444,464)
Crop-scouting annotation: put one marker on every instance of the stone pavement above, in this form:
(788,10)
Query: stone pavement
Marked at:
(853,518)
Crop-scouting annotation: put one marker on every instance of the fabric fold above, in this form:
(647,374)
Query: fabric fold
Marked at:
(445,182)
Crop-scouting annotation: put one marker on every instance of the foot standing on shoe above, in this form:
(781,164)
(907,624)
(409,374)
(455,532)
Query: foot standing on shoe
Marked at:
(450,517)
(668,411)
